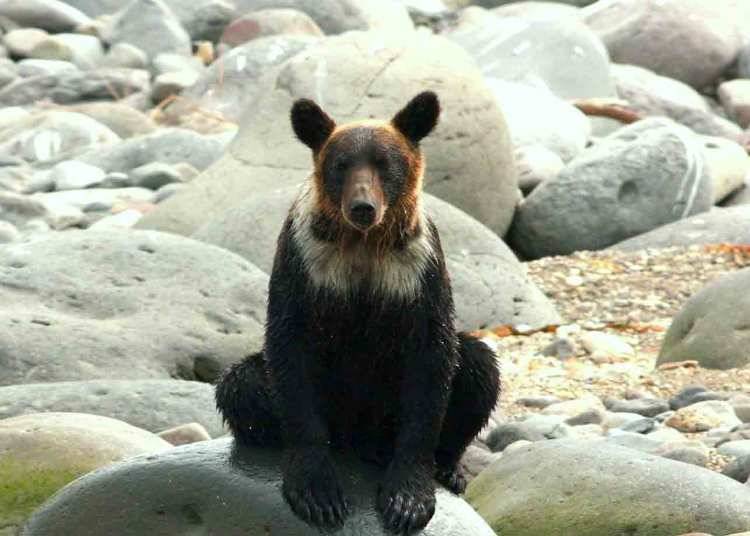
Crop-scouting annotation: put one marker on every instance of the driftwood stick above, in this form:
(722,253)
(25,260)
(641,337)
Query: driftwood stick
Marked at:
(606,107)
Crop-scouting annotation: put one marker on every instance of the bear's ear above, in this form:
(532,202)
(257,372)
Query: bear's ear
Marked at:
(417,119)
(311,124)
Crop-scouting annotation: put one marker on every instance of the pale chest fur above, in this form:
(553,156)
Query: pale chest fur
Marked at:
(395,273)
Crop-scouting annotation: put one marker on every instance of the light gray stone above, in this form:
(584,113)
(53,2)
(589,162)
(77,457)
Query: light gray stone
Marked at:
(170,146)
(73,86)
(185,434)
(74,175)
(35,67)
(469,158)
(125,55)
(246,480)
(712,326)
(204,20)
(728,165)
(641,177)
(169,84)
(535,165)
(51,15)
(48,134)
(151,25)
(42,452)
(95,199)
(704,416)
(536,117)
(735,449)
(691,40)
(611,490)
(84,51)
(20,42)
(122,119)
(734,96)
(8,232)
(532,51)
(97,301)
(152,405)
(474,255)
(154,175)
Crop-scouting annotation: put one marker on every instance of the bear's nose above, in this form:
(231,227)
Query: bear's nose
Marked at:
(362,213)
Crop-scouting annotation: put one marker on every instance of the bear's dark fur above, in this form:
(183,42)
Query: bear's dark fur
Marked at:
(361,350)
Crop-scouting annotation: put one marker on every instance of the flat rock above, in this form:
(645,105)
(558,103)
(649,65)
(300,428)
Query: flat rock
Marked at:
(94,199)
(532,51)
(691,40)
(712,327)
(35,67)
(469,155)
(339,16)
(125,305)
(490,286)
(153,405)
(204,20)
(73,86)
(235,491)
(169,146)
(42,452)
(46,135)
(123,120)
(648,407)
(611,490)
(84,51)
(51,15)
(151,25)
(623,186)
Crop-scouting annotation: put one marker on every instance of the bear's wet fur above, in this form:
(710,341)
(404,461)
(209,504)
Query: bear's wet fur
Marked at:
(361,350)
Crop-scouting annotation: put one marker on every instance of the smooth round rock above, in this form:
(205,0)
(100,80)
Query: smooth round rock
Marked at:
(641,177)
(152,405)
(356,76)
(689,40)
(126,305)
(490,287)
(218,490)
(40,453)
(52,15)
(591,488)
(533,51)
(712,327)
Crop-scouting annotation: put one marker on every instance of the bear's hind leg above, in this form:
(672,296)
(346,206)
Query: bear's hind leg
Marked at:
(244,399)
(474,394)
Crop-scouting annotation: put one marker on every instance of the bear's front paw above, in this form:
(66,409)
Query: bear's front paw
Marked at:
(311,488)
(453,479)
(406,500)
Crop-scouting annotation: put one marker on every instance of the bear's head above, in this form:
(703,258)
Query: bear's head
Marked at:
(366,171)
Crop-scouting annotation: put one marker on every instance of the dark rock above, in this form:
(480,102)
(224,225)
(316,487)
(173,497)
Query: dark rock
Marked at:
(648,407)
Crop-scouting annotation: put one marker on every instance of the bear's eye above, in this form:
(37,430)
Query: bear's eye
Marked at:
(341,164)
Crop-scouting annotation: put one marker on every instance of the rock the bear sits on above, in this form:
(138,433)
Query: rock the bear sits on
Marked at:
(361,351)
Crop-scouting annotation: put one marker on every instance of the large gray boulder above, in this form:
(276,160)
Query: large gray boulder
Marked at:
(74,86)
(218,490)
(339,16)
(641,177)
(124,305)
(151,25)
(561,54)
(356,76)
(691,40)
(490,286)
(719,226)
(713,327)
(235,80)
(41,453)
(592,488)
(153,405)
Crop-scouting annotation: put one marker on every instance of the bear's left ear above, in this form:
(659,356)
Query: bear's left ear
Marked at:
(311,124)
(417,119)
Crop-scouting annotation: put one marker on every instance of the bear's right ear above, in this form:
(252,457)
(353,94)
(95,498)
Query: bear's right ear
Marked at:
(311,124)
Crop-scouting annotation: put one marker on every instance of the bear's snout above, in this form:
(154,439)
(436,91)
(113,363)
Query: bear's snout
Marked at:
(363,201)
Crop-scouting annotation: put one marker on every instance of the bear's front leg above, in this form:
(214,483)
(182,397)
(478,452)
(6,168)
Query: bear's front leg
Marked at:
(406,498)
